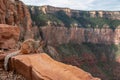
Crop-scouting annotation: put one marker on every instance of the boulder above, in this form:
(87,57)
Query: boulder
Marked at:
(43,67)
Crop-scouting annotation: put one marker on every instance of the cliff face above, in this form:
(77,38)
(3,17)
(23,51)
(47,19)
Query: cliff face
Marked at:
(62,35)
(9,36)
(55,16)
(103,14)
(106,14)
(14,12)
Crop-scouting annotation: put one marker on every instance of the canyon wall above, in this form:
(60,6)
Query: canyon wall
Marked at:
(62,35)
(14,12)
(9,36)
(106,14)
(79,13)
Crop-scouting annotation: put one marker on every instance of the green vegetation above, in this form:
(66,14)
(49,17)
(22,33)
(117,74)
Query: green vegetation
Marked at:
(97,22)
(98,50)
(68,21)
(117,53)
(41,19)
(60,18)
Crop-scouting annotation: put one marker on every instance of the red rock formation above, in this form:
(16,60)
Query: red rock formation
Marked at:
(9,36)
(42,67)
(62,35)
(14,12)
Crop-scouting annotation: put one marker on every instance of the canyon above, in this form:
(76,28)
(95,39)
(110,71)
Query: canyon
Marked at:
(81,42)
(94,48)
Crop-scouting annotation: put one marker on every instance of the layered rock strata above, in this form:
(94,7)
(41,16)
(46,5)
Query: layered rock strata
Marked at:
(62,35)
(14,12)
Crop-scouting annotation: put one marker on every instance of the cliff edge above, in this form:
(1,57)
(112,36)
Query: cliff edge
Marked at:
(42,67)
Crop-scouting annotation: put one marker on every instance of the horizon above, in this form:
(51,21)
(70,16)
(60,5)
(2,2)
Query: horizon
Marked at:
(75,9)
(90,5)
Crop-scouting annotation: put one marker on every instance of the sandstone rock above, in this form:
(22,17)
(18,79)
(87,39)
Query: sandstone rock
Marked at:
(9,36)
(70,12)
(50,9)
(105,14)
(42,67)
(14,12)
(62,35)
(2,56)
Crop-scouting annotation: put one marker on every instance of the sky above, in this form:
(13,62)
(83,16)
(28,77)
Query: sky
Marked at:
(112,5)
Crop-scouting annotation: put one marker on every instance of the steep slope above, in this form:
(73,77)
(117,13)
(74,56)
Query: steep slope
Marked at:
(98,59)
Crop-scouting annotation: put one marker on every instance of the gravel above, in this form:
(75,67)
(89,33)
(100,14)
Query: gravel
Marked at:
(4,75)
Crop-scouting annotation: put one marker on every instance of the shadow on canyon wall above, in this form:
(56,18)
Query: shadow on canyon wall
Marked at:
(98,59)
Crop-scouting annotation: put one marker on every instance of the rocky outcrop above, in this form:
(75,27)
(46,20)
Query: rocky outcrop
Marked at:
(42,67)
(14,12)
(62,35)
(50,9)
(9,36)
(106,14)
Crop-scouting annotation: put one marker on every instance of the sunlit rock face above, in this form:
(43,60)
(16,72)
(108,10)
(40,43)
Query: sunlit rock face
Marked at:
(14,12)
(70,12)
(105,14)
(43,67)
(9,36)
(62,35)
